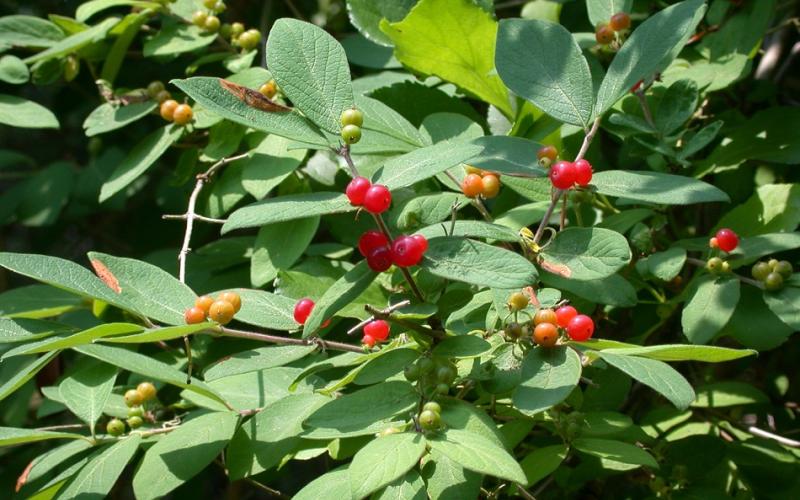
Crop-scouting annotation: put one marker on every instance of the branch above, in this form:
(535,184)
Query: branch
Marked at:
(702,263)
(388,310)
(768,435)
(436,334)
(201,218)
(276,339)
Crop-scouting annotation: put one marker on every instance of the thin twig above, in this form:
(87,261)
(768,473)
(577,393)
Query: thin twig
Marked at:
(768,435)
(702,263)
(273,492)
(62,427)
(437,334)
(525,493)
(387,311)
(276,339)
(201,218)
(648,115)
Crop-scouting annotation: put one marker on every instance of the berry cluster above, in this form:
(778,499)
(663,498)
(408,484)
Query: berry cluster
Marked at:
(351,121)
(302,310)
(134,399)
(375,198)
(547,322)
(725,239)
(565,174)
(772,273)
(547,155)
(221,310)
(430,418)
(404,251)
(180,114)
(235,32)
(375,331)
(432,375)
(479,182)
(605,33)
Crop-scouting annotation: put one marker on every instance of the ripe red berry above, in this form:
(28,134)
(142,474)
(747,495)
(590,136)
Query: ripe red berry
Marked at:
(377,199)
(371,240)
(580,328)
(583,172)
(472,185)
(379,259)
(604,34)
(563,174)
(636,86)
(549,152)
(406,251)
(194,315)
(620,21)
(368,340)
(357,189)
(378,330)
(423,242)
(302,310)
(564,314)
(727,240)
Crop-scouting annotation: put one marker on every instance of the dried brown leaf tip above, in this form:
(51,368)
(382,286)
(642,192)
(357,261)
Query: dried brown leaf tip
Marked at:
(106,275)
(253,98)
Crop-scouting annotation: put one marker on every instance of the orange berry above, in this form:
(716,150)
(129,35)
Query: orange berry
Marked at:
(472,185)
(146,390)
(221,311)
(545,334)
(604,34)
(713,243)
(491,186)
(233,298)
(549,152)
(204,303)
(544,316)
(194,315)
(620,21)
(269,89)
(167,109)
(183,114)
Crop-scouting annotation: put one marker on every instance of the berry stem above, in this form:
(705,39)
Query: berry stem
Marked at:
(702,263)
(648,115)
(276,339)
(380,314)
(387,311)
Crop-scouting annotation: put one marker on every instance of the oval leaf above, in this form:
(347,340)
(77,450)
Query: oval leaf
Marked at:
(588,253)
(548,377)
(655,187)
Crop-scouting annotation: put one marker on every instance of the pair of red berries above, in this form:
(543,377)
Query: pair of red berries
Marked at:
(374,198)
(302,310)
(404,251)
(564,174)
(725,239)
(374,332)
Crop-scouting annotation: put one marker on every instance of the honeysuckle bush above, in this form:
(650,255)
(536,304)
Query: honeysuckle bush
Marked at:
(686,388)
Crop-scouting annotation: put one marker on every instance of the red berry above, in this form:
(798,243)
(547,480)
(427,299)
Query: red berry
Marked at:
(604,35)
(563,174)
(302,310)
(357,189)
(406,251)
(580,328)
(549,152)
(727,240)
(377,199)
(423,242)
(620,21)
(370,241)
(583,172)
(564,314)
(380,259)
(194,315)
(378,330)
(545,334)
(636,86)
(368,341)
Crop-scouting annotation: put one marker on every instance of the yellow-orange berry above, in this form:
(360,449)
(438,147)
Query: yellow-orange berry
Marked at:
(194,315)
(491,186)
(233,298)
(221,311)
(472,185)
(545,316)
(183,114)
(204,303)
(545,334)
(167,109)
(269,89)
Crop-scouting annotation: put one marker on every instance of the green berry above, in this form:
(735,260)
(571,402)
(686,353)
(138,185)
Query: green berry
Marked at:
(446,374)
(784,268)
(115,427)
(154,88)
(352,116)
(225,30)
(199,18)
(442,388)
(237,29)
(714,265)
(209,4)
(219,7)
(726,267)
(411,373)
(517,301)
(426,365)
(136,411)
(773,263)
(351,134)
(432,406)
(773,282)
(760,271)
(249,39)
(135,422)
(428,420)
(212,24)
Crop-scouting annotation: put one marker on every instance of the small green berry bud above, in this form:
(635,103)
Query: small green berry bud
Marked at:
(760,271)
(352,116)
(135,422)
(773,282)
(714,265)
(432,406)
(428,420)
(115,427)
(784,268)
(351,134)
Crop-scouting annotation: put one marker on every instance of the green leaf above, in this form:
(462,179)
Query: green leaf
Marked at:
(18,112)
(381,119)
(75,42)
(366,16)
(269,164)
(655,187)
(548,377)
(278,246)
(130,27)
(676,106)
(158,334)
(655,374)
(651,47)
(663,265)
(541,61)
(147,366)
(255,360)
(753,247)
(477,263)
(47,462)
(785,304)
(345,290)
(459,414)
(600,11)
(682,352)
(311,69)
(25,330)
(108,117)
(462,346)
(151,290)
(454,41)
(80,338)
(508,155)
(25,373)
(471,228)
(177,38)
(615,451)
(447,480)
(363,412)
(710,308)
(423,163)
(37,301)
(287,208)
(427,209)
(209,93)
(88,9)
(614,290)
(28,31)
(13,70)
(772,208)
(383,460)
(266,309)
(408,487)
(140,159)
(384,365)
(542,462)
(11,436)
(86,391)
(758,138)
(588,253)
(754,325)
(333,484)
(728,393)
(183,453)
(477,453)
(98,476)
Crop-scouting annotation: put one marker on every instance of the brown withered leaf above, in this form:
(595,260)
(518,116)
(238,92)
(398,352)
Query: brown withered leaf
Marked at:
(253,98)
(106,275)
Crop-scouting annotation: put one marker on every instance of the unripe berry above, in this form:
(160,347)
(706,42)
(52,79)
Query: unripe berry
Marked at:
(209,4)
(713,243)
(406,251)
(135,422)
(564,315)
(212,24)
(249,39)
(620,21)
(357,189)
(154,88)
(351,134)
(426,365)
(773,264)
(784,268)
(472,185)
(269,89)
(302,310)
(446,374)
(411,372)
(760,271)
(725,267)
(380,259)
(517,301)
(378,330)
(562,175)
(237,29)
(580,328)
(136,411)
(714,265)
(167,109)
(491,186)
(545,316)
(727,240)
(377,199)
(547,152)
(371,240)
(183,114)
(442,389)
(773,282)
(204,303)
(352,116)
(221,311)
(115,427)
(513,330)
(429,420)
(545,334)
(368,340)
(219,6)
(146,390)
(225,30)
(133,398)
(199,18)
(194,315)
(583,172)
(604,34)
(162,96)
(233,298)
